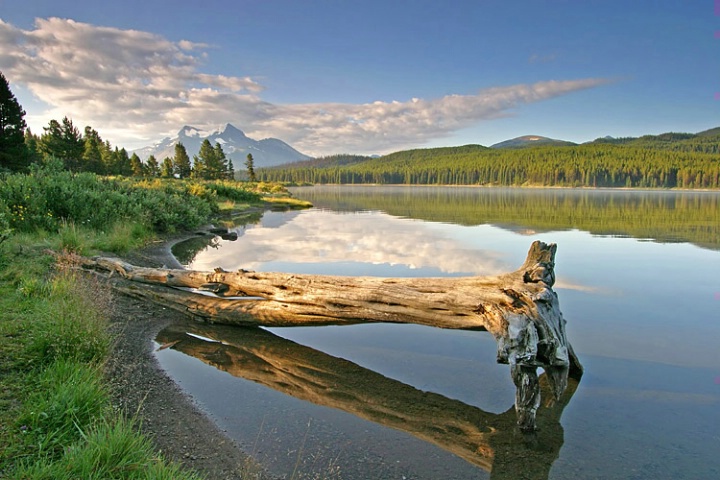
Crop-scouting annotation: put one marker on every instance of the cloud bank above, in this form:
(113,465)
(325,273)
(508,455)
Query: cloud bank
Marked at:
(136,87)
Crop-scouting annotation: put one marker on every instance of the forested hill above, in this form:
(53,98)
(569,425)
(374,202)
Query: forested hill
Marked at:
(670,160)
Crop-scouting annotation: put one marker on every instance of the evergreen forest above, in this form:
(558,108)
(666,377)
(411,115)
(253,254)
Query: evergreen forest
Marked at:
(669,160)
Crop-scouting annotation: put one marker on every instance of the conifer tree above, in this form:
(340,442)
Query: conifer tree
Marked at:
(167,169)
(124,166)
(204,161)
(32,144)
(138,169)
(63,141)
(92,155)
(181,162)
(218,165)
(198,168)
(152,166)
(108,158)
(13,153)
(250,165)
(230,173)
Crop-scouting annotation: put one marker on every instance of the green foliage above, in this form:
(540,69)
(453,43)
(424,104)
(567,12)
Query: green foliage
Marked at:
(167,168)
(64,141)
(45,199)
(670,161)
(5,214)
(152,167)
(56,420)
(181,162)
(211,163)
(250,165)
(136,165)
(232,190)
(13,153)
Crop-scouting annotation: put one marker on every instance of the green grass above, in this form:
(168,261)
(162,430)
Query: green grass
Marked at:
(56,420)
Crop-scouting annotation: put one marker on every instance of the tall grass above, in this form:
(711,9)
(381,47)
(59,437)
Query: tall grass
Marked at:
(56,421)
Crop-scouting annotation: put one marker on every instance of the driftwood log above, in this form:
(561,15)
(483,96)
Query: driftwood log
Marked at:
(520,309)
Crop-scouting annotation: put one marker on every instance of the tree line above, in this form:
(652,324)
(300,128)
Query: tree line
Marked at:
(63,143)
(693,164)
(64,146)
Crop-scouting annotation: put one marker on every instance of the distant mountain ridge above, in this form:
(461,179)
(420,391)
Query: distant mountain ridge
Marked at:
(531,141)
(267,152)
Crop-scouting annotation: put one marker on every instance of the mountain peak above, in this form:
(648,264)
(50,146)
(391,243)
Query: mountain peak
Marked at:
(529,141)
(235,144)
(232,130)
(189,132)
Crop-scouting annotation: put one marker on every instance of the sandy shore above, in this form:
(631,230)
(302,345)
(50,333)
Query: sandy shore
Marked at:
(179,429)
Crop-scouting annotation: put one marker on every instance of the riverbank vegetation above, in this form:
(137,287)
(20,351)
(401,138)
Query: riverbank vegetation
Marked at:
(662,161)
(56,420)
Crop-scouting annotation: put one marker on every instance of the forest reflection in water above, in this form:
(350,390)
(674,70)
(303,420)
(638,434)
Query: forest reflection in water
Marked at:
(660,215)
(487,440)
(638,284)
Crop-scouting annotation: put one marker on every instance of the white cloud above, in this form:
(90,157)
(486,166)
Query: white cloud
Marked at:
(325,237)
(136,87)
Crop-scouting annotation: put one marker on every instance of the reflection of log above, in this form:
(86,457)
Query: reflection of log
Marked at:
(487,440)
(519,309)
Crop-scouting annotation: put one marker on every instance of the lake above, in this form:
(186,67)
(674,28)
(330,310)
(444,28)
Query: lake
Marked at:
(638,278)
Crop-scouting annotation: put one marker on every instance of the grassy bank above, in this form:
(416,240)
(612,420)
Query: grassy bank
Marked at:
(56,420)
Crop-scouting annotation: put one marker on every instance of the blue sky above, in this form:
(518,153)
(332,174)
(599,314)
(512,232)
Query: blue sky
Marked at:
(366,77)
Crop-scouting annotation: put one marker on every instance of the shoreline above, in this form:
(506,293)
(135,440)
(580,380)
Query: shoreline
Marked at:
(516,187)
(178,427)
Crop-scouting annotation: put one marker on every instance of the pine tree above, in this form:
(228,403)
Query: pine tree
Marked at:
(230,173)
(205,161)
(13,153)
(152,167)
(138,169)
(167,169)
(32,144)
(181,162)
(124,166)
(250,164)
(219,165)
(198,168)
(63,141)
(108,158)
(92,154)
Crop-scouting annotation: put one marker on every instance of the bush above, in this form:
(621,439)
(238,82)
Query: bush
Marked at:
(233,191)
(4,221)
(45,199)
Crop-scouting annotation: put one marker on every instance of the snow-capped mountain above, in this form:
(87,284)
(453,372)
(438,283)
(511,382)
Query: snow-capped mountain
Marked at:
(267,152)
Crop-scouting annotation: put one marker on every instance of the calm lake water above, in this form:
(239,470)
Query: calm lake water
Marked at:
(638,277)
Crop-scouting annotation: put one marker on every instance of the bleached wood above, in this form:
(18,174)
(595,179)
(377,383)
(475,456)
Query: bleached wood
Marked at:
(520,309)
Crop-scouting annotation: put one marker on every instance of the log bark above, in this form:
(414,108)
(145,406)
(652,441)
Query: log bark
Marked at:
(519,309)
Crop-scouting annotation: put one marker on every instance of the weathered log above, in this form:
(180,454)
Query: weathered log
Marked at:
(487,440)
(519,309)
